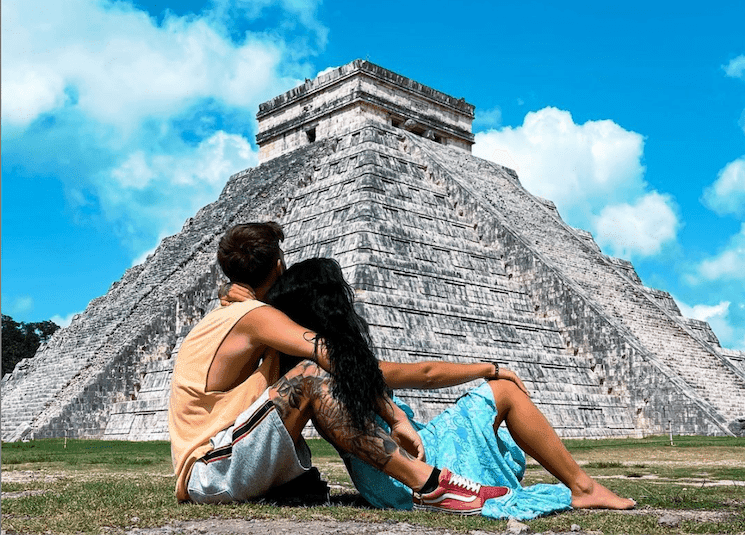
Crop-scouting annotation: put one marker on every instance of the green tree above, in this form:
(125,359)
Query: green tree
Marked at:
(21,340)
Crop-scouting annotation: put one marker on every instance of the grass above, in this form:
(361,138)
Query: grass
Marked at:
(84,486)
(77,454)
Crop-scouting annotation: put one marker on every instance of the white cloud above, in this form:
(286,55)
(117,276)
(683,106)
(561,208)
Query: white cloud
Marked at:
(31,93)
(704,312)
(580,167)
(641,229)
(326,71)
(146,115)
(491,118)
(717,316)
(145,255)
(19,308)
(594,174)
(64,321)
(298,12)
(727,194)
(161,190)
(736,67)
(729,264)
(134,172)
(117,65)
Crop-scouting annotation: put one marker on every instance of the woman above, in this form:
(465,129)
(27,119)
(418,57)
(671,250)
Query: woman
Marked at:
(465,437)
(315,295)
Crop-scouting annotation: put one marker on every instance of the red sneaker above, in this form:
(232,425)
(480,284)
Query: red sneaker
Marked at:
(457,495)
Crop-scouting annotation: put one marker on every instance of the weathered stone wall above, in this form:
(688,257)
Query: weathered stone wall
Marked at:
(70,386)
(737,358)
(339,101)
(641,346)
(145,415)
(429,288)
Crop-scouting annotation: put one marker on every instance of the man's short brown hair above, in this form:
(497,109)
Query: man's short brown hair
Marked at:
(248,252)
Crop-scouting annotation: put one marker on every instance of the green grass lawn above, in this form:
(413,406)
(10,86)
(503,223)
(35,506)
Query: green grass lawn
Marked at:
(85,485)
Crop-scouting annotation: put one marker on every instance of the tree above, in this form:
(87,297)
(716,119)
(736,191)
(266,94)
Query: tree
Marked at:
(21,340)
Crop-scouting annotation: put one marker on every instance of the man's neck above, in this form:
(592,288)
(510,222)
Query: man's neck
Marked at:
(261,291)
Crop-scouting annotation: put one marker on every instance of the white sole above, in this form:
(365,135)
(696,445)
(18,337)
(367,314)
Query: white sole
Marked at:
(432,508)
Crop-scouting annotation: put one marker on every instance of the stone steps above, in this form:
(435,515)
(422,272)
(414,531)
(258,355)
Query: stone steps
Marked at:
(627,302)
(423,278)
(137,320)
(609,288)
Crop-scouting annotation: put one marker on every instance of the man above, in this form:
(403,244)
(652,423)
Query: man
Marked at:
(236,425)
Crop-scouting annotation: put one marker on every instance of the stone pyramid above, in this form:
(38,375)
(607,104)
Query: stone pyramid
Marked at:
(451,258)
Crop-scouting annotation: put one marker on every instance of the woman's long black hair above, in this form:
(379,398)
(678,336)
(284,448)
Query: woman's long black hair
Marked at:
(314,294)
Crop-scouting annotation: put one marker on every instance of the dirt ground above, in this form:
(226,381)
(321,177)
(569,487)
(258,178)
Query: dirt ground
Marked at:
(289,527)
(327,527)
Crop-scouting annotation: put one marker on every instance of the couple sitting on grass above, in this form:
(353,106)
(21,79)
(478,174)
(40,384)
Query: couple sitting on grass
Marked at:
(289,348)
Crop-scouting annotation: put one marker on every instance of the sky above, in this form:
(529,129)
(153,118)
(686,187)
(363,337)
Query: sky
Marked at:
(120,119)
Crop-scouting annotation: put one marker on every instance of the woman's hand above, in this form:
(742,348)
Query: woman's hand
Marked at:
(509,375)
(404,434)
(234,293)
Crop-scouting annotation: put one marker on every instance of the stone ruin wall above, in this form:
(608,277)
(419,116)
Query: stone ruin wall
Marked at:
(347,97)
(658,394)
(71,385)
(655,385)
(87,414)
(736,358)
(427,285)
(658,397)
(333,87)
(319,226)
(625,367)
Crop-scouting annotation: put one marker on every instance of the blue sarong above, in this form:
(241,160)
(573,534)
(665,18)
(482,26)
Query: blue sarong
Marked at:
(462,439)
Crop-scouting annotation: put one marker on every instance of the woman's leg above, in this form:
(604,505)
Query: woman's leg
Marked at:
(537,438)
(304,394)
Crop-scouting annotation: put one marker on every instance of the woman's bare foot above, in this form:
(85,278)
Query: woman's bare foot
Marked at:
(596,496)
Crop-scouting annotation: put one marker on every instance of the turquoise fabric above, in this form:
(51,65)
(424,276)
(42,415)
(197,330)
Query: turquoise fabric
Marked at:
(462,439)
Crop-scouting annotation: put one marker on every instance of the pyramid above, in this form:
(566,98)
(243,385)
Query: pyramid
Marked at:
(450,257)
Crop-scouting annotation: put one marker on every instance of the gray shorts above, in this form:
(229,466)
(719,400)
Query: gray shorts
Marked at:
(248,458)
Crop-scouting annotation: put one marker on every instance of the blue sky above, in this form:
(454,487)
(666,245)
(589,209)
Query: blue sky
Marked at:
(121,119)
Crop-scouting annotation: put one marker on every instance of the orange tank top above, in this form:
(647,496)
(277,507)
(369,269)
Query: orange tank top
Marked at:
(195,415)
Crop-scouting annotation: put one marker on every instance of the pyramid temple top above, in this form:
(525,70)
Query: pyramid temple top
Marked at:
(341,99)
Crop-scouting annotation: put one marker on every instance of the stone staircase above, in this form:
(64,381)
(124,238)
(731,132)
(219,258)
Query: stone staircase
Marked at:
(145,417)
(646,317)
(71,385)
(431,290)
